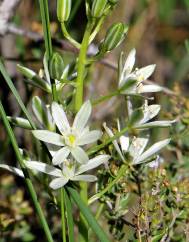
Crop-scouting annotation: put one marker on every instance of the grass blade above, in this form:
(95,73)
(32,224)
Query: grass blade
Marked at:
(88,215)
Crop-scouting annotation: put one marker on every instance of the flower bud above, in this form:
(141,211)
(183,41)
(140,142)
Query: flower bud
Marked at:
(56,66)
(114,37)
(98,7)
(63,10)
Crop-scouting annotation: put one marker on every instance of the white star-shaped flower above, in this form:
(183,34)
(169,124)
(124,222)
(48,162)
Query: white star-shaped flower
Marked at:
(149,112)
(136,147)
(71,138)
(69,170)
(131,81)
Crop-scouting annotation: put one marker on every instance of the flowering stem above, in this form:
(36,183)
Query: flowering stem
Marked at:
(63,214)
(81,66)
(47,37)
(120,174)
(26,174)
(78,103)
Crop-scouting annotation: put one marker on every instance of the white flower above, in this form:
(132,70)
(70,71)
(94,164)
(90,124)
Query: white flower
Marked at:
(69,170)
(131,80)
(136,147)
(149,112)
(71,138)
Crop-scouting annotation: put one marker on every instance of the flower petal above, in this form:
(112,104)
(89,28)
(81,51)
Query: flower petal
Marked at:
(149,88)
(58,182)
(59,117)
(90,137)
(60,156)
(161,124)
(14,170)
(86,178)
(82,116)
(145,72)
(152,150)
(124,142)
(79,154)
(150,112)
(42,167)
(49,137)
(137,147)
(111,134)
(93,163)
(128,66)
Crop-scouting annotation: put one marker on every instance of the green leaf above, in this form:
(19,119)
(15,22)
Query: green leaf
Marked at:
(88,215)
(70,223)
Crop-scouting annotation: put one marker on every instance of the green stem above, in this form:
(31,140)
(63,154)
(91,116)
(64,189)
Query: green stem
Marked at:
(120,174)
(68,36)
(26,174)
(63,214)
(46,27)
(81,66)
(44,10)
(104,98)
(16,94)
(97,148)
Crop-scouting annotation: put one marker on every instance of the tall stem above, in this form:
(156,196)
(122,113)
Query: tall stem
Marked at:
(83,227)
(81,66)
(26,174)
(63,214)
(44,10)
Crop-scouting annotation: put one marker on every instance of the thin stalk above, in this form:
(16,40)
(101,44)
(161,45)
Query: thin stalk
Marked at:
(16,94)
(68,36)
(78,102)
(70,222)
(97,148)
(81,66)
(120,174)
(44,10)
(26,174)
(104,98)
(74,10)
(63,214)
(46,27)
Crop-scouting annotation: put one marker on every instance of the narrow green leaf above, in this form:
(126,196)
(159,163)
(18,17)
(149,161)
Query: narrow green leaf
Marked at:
(88,215)
(70,222)
(15,93)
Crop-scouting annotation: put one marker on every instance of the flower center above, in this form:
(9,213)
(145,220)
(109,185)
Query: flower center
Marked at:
(70,140)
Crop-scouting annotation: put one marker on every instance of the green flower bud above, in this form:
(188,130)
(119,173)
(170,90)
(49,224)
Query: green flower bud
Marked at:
(63,9)
(98,7)
(56,66)
(114,36)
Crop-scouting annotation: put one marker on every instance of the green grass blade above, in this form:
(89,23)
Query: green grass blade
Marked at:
(70,221)
(88,215)
(29,184)
(15,93)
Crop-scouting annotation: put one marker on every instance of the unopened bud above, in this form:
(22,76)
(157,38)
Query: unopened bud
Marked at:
(56,66)
(114,36)
(98,7)
(63,10)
